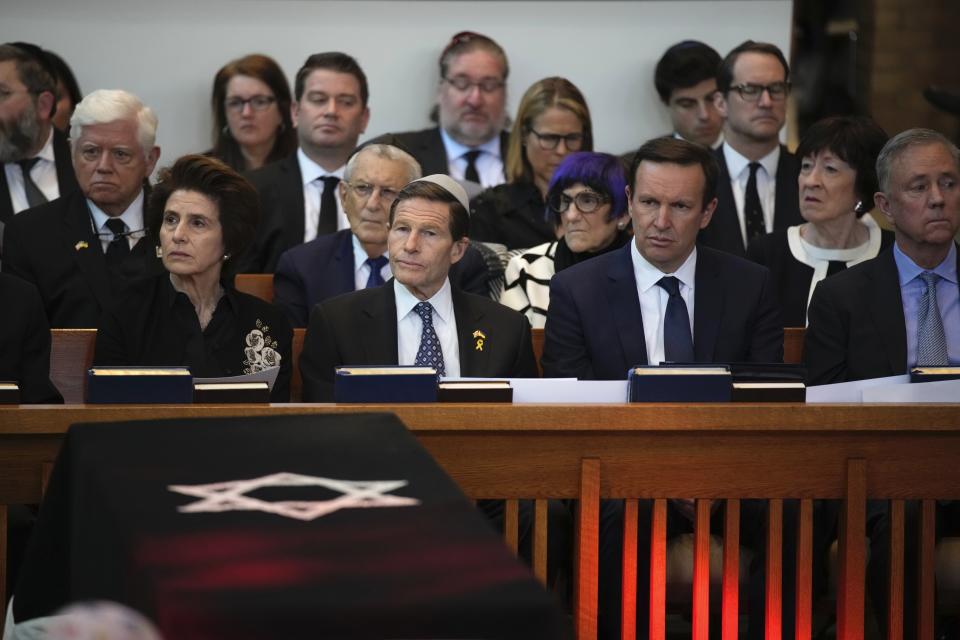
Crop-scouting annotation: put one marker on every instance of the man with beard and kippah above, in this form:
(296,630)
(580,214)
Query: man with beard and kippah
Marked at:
(35,156)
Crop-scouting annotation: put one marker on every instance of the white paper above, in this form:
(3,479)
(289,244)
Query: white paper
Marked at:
(267,375)
(850,391)
(939,391)
(563,390)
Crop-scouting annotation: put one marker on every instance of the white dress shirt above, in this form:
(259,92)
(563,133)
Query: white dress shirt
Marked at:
(489,163)
(739,169)
(714,145)
(43,173)
(654,298)
(313,187)
(410,327)
(132,217)
(361,270)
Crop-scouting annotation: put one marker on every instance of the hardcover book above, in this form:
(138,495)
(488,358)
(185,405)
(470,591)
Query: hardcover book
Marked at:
(139,385)
(679,384)
(385,384)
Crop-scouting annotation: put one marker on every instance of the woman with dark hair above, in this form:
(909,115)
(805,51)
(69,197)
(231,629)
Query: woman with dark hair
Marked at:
(201,213)
(553,120)
(251,113)
(68,91)
(837,181)
(587,199)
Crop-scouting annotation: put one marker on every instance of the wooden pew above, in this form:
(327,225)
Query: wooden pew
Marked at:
(255,284)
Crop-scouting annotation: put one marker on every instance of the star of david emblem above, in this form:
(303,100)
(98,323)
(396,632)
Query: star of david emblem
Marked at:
(231,496)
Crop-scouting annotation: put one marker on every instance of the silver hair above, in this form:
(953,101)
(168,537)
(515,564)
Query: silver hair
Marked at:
(899,143)
(109,105)
(387,152)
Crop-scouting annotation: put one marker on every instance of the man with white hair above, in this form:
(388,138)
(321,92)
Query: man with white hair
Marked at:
(81,249)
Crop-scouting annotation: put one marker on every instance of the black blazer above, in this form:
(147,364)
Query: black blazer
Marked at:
(54,247)
(594,327)
(323,268)
(723,232)
(360,328)
(280,186)
(856,326)
(511,214)
(25,342)
(66,179)
(427,147)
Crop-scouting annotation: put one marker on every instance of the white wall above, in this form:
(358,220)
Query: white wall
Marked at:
(167,51)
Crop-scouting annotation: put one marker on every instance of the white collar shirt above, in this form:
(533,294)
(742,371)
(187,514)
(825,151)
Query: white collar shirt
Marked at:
(739,169)
(43,174)
(310,173)
(132,217)
(361,270)
(410,327)
(654,298)
(489,163)
(714,145)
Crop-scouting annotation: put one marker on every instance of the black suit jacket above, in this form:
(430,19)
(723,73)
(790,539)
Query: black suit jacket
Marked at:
(856,326)
(360,328)
(323,268)
(723,232)
(25,342)
(54,247)
(594,327)
(66,179)
(280,186)
(427,147)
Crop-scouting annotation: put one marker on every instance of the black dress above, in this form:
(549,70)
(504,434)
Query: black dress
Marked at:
(797,266)
(25,342)
(155,325)
(511,214)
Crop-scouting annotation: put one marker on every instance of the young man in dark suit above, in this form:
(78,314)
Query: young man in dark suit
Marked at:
(356,258)
(35,155)
(417,318)
(299,194)
(470,143)
(81,249)
(757,190)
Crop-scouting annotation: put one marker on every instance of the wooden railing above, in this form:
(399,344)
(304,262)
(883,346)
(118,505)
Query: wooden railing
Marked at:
(706,452)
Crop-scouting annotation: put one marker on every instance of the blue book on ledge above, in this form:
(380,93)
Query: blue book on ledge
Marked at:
(387,384)
(679,384)
(139,385)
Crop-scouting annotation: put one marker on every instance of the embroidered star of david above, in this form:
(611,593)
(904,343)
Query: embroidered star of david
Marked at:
(429,354)
(231,496)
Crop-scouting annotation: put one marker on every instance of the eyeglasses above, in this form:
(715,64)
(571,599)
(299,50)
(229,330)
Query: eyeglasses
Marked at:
(752,92)
(586,201)
(465,84)
(365,190)
(549,141)
(257,103)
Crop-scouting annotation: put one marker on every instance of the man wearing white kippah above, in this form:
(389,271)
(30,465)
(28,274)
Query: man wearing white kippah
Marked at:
(417,318)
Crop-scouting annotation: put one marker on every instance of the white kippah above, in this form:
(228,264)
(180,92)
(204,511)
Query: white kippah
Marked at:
(449,185)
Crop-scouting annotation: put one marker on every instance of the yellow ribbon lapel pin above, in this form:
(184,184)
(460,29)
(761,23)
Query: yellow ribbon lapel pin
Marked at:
(81,245)
(480,336)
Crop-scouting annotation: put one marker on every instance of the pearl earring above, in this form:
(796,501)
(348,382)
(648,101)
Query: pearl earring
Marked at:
(159,251)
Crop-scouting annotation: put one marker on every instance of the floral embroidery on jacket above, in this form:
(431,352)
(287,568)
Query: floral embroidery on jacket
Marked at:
(261,350)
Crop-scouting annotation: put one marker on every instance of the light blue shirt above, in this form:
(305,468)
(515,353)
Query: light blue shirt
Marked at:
(948,300)
(489,164)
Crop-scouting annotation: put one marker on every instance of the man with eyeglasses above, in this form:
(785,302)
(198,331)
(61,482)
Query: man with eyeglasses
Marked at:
(35,155)
(470,142)
(83,248)
(758,176)
(356,258)
(300,194)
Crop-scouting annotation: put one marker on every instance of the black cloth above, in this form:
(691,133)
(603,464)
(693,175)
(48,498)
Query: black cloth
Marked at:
(323,268)
(471,171)
(327,221)
(564,258)
(723,232)
(511,214)
(856,328)
(427,147)
(594,327)
(282,215)
(791,278)
(25,342)
(35,197)
(55,247)
(752,208)
(117,531)
(118,248)
(66,178)
(155,325)
(360,328)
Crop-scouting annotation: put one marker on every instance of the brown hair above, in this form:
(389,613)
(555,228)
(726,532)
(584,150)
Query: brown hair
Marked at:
(670,150)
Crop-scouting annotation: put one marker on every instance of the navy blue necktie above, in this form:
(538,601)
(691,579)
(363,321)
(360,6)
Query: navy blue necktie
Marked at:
(375,264)
(677,341)
(429,354)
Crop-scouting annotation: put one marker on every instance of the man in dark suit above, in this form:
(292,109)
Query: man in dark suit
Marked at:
(82,248)
(757,190)
(35,156)
(470,143)
(356,258)
(417,318)
(299,194)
